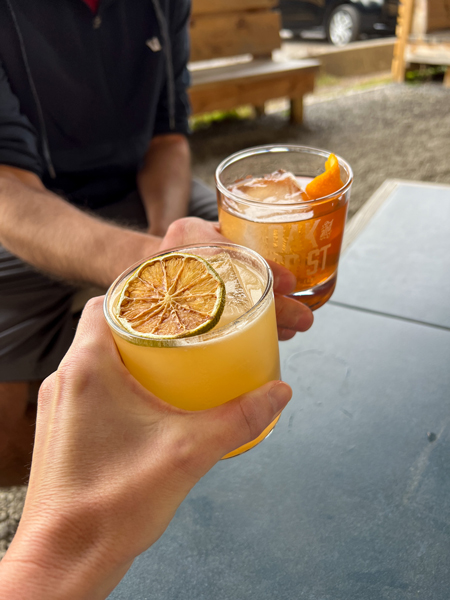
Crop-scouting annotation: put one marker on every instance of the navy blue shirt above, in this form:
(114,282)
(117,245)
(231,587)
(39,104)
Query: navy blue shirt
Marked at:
(100,90)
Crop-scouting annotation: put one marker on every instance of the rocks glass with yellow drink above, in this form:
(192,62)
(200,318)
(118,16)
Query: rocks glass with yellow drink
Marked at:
(289,203)
(196,325)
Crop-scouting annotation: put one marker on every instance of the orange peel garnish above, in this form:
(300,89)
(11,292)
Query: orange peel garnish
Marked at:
(326,183)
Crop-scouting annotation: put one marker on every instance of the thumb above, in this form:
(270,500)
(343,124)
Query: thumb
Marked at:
(243,419)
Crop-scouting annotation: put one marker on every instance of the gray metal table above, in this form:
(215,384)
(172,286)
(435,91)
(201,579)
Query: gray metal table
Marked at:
(349,499)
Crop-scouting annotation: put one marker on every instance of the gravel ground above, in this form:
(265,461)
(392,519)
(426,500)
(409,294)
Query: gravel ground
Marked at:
(395,131)
(11,506)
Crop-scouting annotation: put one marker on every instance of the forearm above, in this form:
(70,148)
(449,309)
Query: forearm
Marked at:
(164,181)
(111,465)
(54,236)
(40,569)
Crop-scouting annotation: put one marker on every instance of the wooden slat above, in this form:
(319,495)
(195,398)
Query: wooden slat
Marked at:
(438,16)
(208,7)
(434,37)
(430,16)
(232,34)
(251,89)
(428,54)
(255,69)
(419,18)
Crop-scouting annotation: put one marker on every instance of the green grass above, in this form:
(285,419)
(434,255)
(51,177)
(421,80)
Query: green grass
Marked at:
(366,85)
(204,120)
(328,81)
(425,73)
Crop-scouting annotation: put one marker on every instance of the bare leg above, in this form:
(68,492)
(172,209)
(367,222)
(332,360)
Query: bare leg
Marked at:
(17,425)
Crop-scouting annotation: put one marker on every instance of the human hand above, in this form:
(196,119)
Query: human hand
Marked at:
(292,315)
(191,230)
(111,465)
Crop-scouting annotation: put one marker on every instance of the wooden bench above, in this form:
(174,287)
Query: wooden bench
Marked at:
(423,36)
(245,32)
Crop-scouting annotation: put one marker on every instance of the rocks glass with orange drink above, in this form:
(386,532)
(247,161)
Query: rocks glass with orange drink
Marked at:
(196,325)
(289,203)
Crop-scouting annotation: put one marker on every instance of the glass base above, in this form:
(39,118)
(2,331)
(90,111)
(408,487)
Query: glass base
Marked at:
(316,296)
(246,447)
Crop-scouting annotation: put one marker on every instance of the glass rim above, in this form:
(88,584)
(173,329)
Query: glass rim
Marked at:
(255,150)
(203,337)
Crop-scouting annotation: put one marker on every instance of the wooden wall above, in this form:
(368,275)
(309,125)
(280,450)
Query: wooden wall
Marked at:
(223,28)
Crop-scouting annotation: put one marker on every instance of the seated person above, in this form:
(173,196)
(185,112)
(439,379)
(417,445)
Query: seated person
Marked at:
(94,169)
(93,125)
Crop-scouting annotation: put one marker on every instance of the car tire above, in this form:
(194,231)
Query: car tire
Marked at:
(343,25)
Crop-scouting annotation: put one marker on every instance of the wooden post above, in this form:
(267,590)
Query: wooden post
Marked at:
(404,19)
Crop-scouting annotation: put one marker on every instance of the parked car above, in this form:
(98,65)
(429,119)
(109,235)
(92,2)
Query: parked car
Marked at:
(342,21)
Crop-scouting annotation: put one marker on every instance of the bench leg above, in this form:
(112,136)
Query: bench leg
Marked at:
(260,110)
(447,78)
(297,110)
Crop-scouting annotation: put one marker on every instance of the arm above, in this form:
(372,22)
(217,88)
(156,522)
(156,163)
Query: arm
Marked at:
(165,179)
(54,236)
(111,465)
(49,233)
(164,182)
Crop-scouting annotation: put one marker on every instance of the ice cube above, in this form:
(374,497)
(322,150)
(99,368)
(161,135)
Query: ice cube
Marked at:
(278,187)
(237,300)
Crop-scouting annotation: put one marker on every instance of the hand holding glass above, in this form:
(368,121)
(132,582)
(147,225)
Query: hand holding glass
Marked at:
(238,355)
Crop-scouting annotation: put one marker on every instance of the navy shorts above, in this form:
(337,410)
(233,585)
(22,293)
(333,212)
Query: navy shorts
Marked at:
(37,324)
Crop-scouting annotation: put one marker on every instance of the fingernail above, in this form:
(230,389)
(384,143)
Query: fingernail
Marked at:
(279,396)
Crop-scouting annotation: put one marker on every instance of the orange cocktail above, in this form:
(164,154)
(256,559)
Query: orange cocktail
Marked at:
(264,205)
(238,355)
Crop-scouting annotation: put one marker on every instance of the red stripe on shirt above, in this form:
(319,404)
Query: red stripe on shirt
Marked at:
(93,4)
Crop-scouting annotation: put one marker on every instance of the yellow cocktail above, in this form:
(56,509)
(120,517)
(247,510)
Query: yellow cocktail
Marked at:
(238,355)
